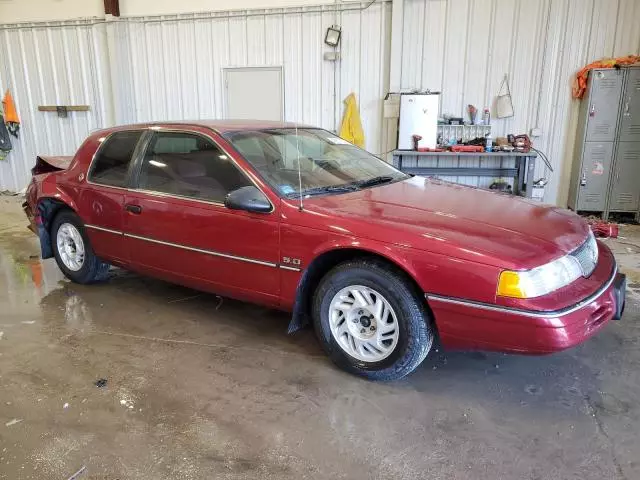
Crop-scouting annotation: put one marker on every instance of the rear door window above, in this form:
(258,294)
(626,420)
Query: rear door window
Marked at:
(111,165)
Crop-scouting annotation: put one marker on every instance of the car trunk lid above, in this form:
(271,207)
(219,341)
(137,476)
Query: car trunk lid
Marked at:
(51,163)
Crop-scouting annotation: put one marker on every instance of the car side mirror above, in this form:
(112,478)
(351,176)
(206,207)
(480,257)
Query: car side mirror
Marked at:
(249,199)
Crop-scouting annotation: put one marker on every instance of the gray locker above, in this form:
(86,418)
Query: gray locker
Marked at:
(606,166)
(630,119)
(603,103)
(596,169)
(625,193)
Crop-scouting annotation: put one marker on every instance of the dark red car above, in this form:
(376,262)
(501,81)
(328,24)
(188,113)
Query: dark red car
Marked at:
(298,219)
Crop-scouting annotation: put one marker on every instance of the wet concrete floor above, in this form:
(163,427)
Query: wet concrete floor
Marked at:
(200,387)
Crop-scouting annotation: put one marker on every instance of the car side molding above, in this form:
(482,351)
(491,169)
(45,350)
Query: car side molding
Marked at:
(194,249)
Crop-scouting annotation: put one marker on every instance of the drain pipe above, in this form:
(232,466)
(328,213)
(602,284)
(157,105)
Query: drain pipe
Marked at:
(394,75)
(395,58)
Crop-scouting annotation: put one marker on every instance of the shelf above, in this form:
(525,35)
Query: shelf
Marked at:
(413,153)
(461,172)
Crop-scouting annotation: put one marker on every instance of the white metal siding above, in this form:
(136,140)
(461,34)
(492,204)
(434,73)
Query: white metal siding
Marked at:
(170,67)
(464,47)
(52,64)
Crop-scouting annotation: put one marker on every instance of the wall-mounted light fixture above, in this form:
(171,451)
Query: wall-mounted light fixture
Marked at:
(332,37)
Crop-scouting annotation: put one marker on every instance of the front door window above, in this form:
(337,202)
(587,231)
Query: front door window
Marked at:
(190,166)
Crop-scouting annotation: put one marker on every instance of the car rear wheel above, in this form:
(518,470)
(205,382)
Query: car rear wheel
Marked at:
(73,252)
(370,321)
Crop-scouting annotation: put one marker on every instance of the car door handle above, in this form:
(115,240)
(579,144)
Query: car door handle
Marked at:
(135,209)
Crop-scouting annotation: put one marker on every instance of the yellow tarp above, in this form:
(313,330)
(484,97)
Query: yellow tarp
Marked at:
(351,128)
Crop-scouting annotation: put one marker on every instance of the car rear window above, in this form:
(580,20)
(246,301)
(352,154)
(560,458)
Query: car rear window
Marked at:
(111,165)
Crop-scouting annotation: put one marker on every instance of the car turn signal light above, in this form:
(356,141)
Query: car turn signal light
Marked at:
(509,285)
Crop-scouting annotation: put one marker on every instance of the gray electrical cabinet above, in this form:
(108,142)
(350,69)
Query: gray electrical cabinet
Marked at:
(606,165)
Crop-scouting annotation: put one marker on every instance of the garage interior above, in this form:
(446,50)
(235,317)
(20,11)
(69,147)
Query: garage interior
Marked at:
(138,378)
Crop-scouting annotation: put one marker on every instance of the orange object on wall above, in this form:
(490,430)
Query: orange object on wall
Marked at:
(11,118)
(580,83)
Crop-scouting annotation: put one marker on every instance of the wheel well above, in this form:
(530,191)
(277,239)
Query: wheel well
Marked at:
(319,267)
(48,209)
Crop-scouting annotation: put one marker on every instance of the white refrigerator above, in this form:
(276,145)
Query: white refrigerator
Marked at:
(418,116)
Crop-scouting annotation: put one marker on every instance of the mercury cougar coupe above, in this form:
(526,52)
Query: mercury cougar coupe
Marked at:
(296,218)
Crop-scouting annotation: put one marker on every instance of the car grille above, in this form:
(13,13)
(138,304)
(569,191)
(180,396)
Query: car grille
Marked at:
(587,256)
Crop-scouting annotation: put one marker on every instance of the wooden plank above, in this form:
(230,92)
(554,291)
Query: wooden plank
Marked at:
(69,108)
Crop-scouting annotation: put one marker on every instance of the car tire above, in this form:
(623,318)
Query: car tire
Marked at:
(388,346)
(68,237)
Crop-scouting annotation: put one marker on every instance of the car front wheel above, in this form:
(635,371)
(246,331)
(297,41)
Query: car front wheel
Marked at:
(73,251)
(370,320)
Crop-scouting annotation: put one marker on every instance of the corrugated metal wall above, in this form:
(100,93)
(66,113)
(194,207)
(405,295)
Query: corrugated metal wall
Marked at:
(465,47)
(49,64)
(171,67)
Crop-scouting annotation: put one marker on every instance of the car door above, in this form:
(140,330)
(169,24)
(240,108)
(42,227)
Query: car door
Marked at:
(102,196)
(177,227)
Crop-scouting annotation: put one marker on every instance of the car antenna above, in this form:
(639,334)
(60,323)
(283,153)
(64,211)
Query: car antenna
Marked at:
(301,206)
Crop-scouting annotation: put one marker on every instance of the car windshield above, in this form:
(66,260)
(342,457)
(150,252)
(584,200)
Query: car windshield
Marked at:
(328,164)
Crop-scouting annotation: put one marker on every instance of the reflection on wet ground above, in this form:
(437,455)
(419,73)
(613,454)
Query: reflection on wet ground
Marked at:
(200,387)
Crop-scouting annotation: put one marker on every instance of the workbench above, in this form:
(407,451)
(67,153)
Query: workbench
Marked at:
(519,168)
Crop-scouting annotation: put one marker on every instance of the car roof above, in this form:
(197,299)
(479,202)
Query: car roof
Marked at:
(232,125)
(220,126)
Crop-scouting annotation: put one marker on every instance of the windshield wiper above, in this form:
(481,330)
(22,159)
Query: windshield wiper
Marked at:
(347,187)
(327,189)
(374,181)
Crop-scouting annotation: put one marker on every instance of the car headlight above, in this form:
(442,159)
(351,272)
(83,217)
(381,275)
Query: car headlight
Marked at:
(546,278)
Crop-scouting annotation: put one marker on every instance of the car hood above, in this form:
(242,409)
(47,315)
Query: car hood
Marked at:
(455,220)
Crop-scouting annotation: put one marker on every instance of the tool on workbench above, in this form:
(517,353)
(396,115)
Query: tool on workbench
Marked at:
(503,148)
(416,139)
(489,146)
(473,113)
(467,148)
(522,143)
(486,117)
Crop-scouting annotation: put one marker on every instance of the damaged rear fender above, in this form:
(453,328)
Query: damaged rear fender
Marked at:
(46,211)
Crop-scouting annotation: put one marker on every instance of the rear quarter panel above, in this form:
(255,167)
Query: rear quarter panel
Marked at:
(48,192)
(65,185)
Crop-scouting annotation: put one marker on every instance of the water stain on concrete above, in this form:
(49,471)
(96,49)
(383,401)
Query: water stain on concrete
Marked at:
(216,390)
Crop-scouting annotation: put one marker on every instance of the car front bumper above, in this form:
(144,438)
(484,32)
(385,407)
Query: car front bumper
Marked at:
(464,324)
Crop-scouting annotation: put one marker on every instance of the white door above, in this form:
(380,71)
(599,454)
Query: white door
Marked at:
(254,93)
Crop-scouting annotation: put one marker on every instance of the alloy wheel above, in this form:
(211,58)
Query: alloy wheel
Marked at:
(363,323)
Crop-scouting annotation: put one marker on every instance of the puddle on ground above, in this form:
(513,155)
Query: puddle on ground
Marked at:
(25,279)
